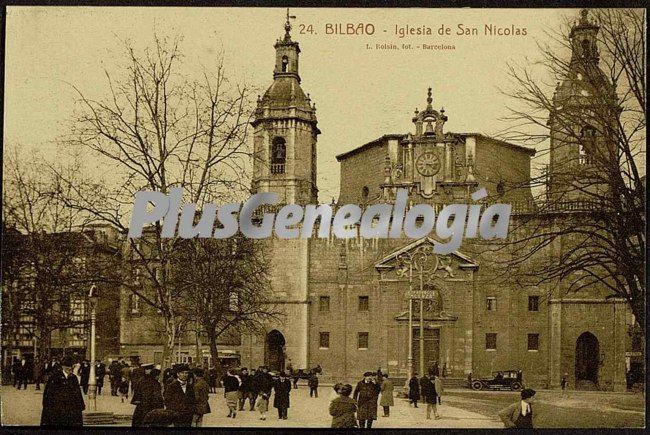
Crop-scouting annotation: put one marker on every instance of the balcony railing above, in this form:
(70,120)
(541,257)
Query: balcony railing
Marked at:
(277,168)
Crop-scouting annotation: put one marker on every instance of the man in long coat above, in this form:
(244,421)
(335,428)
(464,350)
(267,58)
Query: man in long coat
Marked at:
(100,373)
(62,400)
(366,394)
(147,396)
(414,390)
(84,373)
(282,387)
(386,400)
(179,397)
(202,395)
(115,375)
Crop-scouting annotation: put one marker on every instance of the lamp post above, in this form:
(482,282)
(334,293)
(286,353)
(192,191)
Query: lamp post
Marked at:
(92,381)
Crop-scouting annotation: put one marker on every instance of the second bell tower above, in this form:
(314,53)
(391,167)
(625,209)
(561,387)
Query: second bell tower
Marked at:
(285,132)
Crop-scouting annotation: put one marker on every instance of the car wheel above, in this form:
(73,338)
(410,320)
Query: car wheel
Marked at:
(477,385)
(516,386)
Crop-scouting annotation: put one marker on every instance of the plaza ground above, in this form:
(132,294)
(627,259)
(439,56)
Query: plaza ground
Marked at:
(460,409)
(574,409)
(23,407)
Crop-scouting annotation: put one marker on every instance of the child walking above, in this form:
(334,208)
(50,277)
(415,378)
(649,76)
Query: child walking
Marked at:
(123,389)
(262,405)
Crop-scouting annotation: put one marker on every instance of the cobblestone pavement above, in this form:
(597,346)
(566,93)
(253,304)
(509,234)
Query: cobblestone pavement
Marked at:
(23,407)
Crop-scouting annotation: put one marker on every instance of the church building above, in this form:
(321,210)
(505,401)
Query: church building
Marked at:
(358,304)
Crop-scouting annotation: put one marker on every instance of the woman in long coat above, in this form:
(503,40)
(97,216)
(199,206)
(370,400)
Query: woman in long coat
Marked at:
(414,389)
(386,400)
(366,394)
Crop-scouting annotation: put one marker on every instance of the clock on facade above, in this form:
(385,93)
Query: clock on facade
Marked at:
(428,164)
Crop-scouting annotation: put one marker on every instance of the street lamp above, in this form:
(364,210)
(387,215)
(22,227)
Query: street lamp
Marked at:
(93,298)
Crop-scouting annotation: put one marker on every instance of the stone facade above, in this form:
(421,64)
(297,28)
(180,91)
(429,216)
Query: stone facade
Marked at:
(345,300)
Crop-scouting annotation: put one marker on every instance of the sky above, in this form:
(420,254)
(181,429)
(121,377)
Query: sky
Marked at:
(360,94)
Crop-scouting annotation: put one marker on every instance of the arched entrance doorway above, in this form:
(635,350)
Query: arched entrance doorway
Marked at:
(587,358)
(274,351)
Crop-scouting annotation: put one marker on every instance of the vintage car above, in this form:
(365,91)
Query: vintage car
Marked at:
(501,380)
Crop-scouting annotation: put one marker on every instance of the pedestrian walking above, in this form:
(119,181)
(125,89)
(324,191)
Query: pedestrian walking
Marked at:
(100,373)
(125,373)
(520,413)
(343,409)
(414,390)
(147,397)
(179,397)
(213,379)
(437,382)
(39,370)
(430,396)
(366,394)
(282,388)
(231,392)
(386,400)
(255,388)
(22,373)
(423,380)
(245,389)
(15,373)
(84,374)
(266,381)
(123,389)
(296,377)
(114,376)
(202,395)
(564,382)
(63,403)
(262,405)
(313,384)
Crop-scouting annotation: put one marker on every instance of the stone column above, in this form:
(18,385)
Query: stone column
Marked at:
(555,344)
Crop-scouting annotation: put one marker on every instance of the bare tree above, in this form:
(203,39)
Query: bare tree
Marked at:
(52,259)
(226,287)
(157,130)
(587,228)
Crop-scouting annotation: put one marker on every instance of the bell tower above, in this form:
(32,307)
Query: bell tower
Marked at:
(285,131)
(584,109)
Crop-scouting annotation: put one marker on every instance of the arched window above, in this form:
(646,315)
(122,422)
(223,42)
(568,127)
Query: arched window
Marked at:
(278,155)
(586,48)
(285,63)
(587,143)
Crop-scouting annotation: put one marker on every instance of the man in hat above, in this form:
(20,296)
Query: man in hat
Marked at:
(366,394)
(282,388)
(520,413)
(147,396)
(62,400)
(179,397)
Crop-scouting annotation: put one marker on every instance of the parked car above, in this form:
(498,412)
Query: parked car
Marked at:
(501,380)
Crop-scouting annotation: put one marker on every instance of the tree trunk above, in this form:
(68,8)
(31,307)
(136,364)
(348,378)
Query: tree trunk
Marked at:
(168,346)
(199,355)
(216,363)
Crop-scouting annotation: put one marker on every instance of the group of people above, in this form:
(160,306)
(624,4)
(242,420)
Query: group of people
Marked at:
(24,371)
(427,389)
(360,410)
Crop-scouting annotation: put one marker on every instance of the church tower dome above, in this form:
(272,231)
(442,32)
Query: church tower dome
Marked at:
(584,109)
(285,131)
